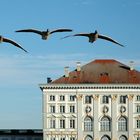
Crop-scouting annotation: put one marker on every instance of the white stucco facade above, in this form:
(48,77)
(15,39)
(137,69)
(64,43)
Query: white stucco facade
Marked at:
(91,111)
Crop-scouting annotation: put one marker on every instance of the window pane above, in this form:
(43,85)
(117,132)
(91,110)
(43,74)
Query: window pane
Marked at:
(122,124)
(105,99)
(123,99)
(105,124)
(88,124)
(88,99)
(72,98)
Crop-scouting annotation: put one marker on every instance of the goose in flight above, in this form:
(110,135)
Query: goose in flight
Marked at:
(44,34)
(2,39)
(94,36)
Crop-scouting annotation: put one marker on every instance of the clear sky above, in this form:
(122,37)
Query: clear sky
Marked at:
(20,72)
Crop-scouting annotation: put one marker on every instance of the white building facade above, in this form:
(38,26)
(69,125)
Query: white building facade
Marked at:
(75,108)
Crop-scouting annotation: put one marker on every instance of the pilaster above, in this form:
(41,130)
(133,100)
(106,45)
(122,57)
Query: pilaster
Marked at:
(114,114)
(95,114)
(130,119)
(79,117)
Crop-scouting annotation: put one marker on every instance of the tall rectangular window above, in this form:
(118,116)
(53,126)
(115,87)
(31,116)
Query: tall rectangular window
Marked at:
(72,138)
(88,99)
(52,138)
(123,99)
(72,109)
(62,138)
(62,123)
(72,123)
(138,124)
(62,98)
(52,108)
(138,97)
(52,123)
(105,99)
(52,98)
(71,98)
(62,109)
(138,108)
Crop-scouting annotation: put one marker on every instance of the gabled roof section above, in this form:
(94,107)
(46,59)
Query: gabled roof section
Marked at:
(101,71)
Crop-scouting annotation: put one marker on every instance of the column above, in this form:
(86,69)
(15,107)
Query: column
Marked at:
(95,114)
(79,118)
(114,116)
(130,117)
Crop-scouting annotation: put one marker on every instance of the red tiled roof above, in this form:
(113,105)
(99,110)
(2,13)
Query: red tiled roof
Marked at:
(101,71)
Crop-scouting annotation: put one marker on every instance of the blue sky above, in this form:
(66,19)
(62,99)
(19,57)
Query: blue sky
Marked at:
(20,73)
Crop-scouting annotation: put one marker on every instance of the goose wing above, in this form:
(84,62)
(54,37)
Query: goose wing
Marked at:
(81,34)
(13,43)
(109,39)
(30,30)
(60,30)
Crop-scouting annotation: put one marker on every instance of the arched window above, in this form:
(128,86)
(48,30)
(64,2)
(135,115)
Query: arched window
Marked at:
(105,137)
(122,124)
(105,124)
(123,137)
(88,137)
(88,124)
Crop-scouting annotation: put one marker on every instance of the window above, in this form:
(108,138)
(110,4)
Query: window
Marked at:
(52,108)
(62,138)
(72,109)
(105,99)
(72,98)
(72,124)
(88,124)
(72,138)
(88,99)
(52,123)
(52,98)
(62,109)
(138,138)
(62,98)
(88,137)
(138,124)
(52,138)
(105,124)
(122,124)
(123,99)
(138,108)
(105,137)
(138,97)
(123,137)
(62,123)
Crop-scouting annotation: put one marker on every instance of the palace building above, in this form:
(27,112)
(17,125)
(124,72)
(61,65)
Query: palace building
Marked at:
(96,101)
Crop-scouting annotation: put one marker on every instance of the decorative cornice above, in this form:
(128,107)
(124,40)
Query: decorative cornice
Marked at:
(90,86)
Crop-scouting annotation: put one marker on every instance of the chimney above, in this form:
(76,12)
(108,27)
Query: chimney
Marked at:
(66,70)
(49,80)
(78,66)
(131,63)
